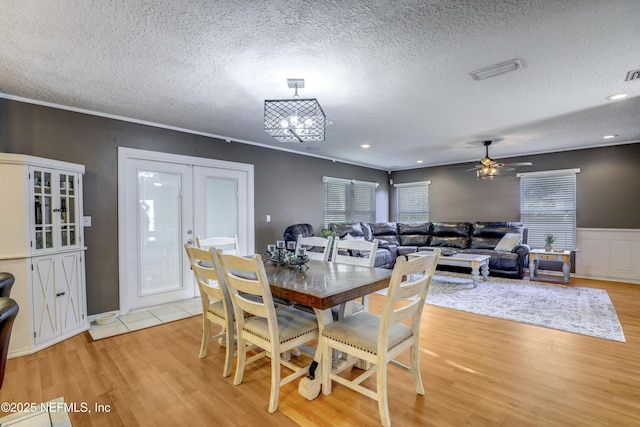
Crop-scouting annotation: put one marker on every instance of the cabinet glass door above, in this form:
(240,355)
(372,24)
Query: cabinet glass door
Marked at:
(68,219)
(43,206)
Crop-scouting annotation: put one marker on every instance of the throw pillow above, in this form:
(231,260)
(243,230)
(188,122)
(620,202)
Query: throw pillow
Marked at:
(508,242)
(348,237)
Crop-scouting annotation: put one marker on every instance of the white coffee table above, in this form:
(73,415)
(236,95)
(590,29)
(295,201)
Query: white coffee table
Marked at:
(477,263)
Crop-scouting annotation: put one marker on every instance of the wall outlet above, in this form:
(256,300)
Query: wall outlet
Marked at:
(268,218)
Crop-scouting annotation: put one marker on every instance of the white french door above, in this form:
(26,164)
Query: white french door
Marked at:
(218,203)
(166,201)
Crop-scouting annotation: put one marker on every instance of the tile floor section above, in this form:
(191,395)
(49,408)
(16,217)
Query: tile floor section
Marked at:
(145,318)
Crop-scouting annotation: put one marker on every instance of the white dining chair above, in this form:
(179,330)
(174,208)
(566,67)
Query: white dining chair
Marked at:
(229,245)
(355,252)
(216,302)
(316,242)
(275,331)
(380,339)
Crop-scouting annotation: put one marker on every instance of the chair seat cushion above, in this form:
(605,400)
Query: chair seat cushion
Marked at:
(292,324)
(361,331)
(217,309)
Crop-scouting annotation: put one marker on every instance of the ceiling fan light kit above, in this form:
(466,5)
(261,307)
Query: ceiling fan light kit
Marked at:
(487,168)
(486,173)
(295,120)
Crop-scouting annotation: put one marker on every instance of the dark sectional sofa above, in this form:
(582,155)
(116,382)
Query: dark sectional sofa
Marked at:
(402,238)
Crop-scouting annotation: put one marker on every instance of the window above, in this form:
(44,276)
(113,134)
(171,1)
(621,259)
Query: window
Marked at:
(413,201)
(548,206)
(349,200)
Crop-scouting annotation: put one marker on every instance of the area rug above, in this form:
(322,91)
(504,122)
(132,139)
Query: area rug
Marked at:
(579,310)
(584,311)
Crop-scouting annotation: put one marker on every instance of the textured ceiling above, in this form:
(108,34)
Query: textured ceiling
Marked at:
(391,74)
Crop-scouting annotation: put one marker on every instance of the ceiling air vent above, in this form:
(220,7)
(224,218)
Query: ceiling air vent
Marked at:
(632,75)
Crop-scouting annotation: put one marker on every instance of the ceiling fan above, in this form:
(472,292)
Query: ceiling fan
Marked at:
(487,168)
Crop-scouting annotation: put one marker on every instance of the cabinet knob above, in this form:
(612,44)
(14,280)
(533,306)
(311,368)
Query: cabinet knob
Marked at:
(59,294)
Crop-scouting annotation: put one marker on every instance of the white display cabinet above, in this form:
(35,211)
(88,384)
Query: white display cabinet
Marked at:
(42,245)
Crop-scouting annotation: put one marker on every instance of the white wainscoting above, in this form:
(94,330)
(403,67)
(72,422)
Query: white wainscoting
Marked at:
(609,254)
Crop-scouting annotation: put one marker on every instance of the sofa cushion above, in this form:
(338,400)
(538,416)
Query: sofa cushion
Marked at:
(343,228)
(414,228)
(499,261)
(384,258)
(414,233)
(450,242)
(404,250)
(496,228)
(451,229)
(385,231)
(484,242)
(486,235)
(366,231)
(413,240)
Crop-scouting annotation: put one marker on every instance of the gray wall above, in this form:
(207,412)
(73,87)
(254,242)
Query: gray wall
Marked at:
(607,188)
(287,186)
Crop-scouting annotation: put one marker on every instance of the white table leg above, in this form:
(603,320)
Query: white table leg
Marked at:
(566,268)
(475,275)
(309,386)
(485,271)
(533,264)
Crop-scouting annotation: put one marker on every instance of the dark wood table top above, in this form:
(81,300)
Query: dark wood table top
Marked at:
(325,284)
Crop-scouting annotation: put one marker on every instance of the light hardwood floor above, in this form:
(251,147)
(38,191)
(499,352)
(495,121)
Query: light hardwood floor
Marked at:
(476,370)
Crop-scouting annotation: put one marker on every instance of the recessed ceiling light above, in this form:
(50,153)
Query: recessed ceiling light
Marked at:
(419,161)
(609,136)
(617,96)
(365,145)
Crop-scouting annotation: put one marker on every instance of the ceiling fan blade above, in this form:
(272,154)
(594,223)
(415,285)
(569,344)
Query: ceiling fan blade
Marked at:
(518,164)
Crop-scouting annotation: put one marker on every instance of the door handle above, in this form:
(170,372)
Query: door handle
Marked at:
(190,242)
(59,294)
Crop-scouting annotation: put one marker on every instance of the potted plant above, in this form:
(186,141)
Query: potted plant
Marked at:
(549,239)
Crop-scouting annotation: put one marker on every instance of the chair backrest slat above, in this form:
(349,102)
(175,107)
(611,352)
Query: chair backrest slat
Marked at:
(316,241)
(229,245)
(246,277)
(206,270)
(410,281)
(355,252)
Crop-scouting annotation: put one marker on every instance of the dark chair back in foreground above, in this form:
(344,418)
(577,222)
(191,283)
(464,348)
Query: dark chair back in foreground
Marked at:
(6,282)
(8,313)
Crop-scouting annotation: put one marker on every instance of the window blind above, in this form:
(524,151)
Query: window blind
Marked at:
(413,201)
(548,206)
(349,200)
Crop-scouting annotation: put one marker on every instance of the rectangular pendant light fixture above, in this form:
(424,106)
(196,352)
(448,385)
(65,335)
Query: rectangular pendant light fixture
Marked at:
(294,120)
(497,69)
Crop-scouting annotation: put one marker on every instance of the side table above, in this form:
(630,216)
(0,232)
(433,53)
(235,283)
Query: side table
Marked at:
(535,255)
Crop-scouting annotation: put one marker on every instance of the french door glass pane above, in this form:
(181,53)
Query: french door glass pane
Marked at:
(221,210)
(160,243)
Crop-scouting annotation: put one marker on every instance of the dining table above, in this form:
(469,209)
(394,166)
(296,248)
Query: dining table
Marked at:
(322,285)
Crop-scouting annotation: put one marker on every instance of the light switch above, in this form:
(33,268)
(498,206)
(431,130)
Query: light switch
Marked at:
(268,218)
(86,221)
